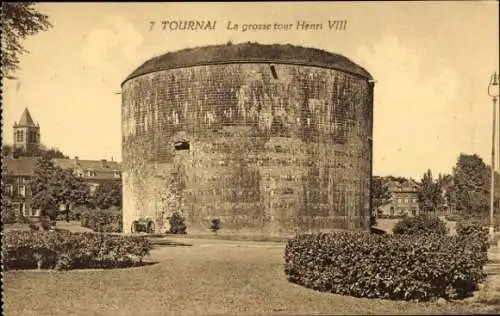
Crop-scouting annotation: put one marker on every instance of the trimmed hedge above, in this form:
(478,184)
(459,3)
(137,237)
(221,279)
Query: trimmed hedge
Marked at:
(64,250)
(382,216)
(102,221)
(478,219)
(177,224)
(477,236)
(419,225)
(418,267)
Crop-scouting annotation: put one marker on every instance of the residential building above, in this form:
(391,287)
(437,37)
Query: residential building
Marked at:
(404,199)
(92,172)
(18,170)
(17,174)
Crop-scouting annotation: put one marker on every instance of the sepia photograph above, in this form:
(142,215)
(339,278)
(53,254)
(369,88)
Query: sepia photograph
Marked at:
(250,158)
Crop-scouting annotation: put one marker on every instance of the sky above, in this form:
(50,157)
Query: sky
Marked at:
(432,62)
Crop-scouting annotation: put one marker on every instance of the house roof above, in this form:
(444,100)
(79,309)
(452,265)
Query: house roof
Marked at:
(249,53)
(405,186)
(26,119)
(21,166)
(96,165)
(25,166)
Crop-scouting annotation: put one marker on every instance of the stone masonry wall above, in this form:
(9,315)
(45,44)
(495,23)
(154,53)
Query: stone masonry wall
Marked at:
(272,147)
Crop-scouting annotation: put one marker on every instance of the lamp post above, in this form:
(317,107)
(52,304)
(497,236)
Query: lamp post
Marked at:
(493,92)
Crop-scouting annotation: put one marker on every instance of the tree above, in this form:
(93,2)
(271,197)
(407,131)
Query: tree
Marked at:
(400,180)
(72,192)
(8,213)
(470,189)
(430,197)
(8,150)
(19,20)
(380,194)
(51,152)
(108,195)
(44,188)
(53,186)
(177,224)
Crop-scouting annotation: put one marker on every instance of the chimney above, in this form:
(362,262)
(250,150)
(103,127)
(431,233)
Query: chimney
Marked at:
(76,160)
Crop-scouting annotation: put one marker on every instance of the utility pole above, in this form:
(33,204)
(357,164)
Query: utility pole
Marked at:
(493,92)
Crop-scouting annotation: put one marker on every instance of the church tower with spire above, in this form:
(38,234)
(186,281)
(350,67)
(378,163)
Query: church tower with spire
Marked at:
(26,133)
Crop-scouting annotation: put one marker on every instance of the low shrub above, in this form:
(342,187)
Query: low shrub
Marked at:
(419,225)
(11,216)
(102,221)
(65,250)
(177,224)
(382,216)
(215,225)
(71,215)
(479,219)
(454,217)
(482,221)
(417,267)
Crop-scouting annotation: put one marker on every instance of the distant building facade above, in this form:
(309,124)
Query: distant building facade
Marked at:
(92,172)
(404,199)
(18,171)
(17,174)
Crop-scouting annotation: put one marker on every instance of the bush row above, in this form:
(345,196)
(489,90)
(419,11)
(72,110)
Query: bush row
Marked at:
(476,235)
(383,216)
(421,224)
(105,221)
(478,219)
(64,250)
(416,267)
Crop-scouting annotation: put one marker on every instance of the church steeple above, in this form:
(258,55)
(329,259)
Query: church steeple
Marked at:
(26,133)
(26,119)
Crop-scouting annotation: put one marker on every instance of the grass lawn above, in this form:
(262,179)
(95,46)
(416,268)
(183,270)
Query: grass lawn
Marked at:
(72,226)
(210,277)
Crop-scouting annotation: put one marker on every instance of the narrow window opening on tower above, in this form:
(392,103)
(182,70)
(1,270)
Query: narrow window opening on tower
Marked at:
(182,145)
(273,70)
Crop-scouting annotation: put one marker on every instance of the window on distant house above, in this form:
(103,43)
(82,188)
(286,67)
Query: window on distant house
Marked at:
(22,209)
(9,189)
(93,188)
(90,173)
(22,190)
(116,173)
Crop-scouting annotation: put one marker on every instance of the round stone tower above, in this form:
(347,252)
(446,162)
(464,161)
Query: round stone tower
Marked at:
(272,139)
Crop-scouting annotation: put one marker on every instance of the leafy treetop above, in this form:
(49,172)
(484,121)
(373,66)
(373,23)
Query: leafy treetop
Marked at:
(19,20)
